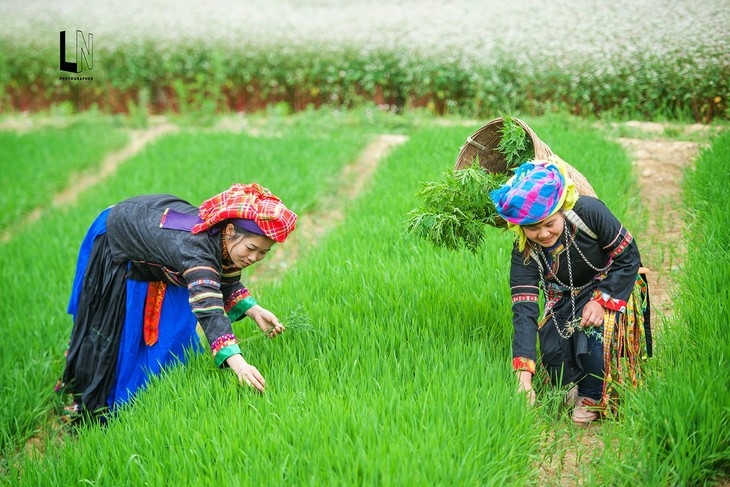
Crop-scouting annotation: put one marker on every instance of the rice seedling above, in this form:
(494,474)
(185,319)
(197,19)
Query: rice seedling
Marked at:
(172,165)
(37,164)
(384,385)
(296,321)
(675,431)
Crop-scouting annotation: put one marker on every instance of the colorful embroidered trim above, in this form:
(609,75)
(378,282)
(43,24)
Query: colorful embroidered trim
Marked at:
(199,296)
(624,345)
(231,274)
(224,353)
(203,282)
(200,268)
(152,311)
(207,309)
(605,300)
(622,246)
(164,217)
(625,242)
(522,363)
(233,299)
(223,341)
(525,294)
(223,347)
(524,298)
(239,310)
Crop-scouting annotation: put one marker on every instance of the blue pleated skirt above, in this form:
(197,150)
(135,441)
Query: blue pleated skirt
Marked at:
(110,370)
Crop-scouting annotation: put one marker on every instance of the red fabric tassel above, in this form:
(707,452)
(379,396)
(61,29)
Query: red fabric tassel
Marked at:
(152,310)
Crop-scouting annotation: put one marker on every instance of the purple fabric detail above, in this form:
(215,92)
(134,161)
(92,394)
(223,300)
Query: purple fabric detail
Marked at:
(248,225)
(173,220)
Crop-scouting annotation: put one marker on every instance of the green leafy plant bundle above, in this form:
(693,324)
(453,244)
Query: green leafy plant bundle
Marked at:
(514,144)
(455,210)
(297,320)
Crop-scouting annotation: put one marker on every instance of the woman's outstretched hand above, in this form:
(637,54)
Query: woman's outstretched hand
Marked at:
(247,374)
(267,321)
(525,386)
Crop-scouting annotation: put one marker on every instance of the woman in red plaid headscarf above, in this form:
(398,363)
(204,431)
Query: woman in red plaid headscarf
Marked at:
(150,269)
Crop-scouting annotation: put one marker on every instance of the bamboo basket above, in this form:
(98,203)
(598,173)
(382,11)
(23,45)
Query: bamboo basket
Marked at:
(484,142)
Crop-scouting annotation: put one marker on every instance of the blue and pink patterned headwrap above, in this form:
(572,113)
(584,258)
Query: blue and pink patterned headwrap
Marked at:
(537,191)
(532,194)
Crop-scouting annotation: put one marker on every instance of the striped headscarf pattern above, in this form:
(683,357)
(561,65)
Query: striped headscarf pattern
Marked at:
(248,202)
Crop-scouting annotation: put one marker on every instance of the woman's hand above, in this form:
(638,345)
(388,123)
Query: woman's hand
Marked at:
(267,321)
(592,315)
(246,373)
(525,385)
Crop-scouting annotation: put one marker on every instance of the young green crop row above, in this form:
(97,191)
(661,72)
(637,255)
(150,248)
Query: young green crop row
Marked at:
(37,165)
(37,264)
(405,378)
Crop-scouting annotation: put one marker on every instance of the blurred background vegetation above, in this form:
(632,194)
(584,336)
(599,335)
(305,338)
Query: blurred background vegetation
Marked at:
(643,60)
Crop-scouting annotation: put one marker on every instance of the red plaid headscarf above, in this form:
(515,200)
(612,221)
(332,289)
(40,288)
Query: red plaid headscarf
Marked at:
(250,202)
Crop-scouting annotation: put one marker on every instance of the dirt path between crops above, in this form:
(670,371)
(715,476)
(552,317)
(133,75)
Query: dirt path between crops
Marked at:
(80,182)
(330,212)
(659,165)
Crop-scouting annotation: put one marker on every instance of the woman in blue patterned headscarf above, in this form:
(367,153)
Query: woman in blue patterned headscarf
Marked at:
(594,329)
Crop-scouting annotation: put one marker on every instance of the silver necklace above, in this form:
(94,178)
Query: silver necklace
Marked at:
(572,324)
(580,252)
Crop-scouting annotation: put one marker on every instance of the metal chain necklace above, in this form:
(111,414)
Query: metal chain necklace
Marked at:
(571,324)
(580,252)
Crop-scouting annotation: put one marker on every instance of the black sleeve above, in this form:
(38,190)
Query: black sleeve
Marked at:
(524,279)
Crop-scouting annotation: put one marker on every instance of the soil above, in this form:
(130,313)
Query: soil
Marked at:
(660,167)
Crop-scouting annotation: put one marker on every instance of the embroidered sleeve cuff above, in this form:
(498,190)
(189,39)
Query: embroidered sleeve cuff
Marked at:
(522,363)
(225,346)
(605,300)
(238,311)
(224,353)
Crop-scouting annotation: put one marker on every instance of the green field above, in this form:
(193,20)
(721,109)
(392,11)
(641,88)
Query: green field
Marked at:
(37,165)
(405,377)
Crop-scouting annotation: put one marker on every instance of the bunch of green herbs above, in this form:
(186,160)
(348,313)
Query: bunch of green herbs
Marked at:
(456,209)
(514,144)
(297,320)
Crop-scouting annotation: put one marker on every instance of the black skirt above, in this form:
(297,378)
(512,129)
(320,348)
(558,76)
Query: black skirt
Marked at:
(93,350)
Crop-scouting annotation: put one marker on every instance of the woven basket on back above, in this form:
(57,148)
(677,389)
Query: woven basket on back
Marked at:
(484,142)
